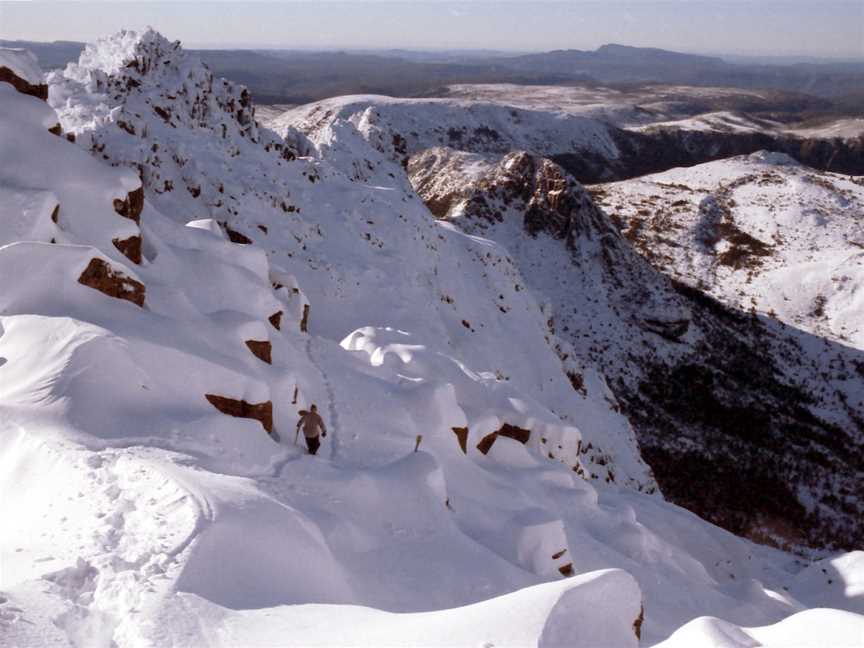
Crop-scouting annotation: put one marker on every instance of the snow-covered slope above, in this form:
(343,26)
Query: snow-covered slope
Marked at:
(712,392)
(149,506)
(596,134)
(399,128)
(760,233)
(348,244)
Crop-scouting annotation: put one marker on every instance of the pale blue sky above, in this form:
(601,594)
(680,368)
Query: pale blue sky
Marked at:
(791,27)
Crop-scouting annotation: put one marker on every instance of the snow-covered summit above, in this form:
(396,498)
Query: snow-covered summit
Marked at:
(127,77)
(110,54)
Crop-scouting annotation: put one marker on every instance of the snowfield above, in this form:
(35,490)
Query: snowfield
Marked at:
(793,242)
(178,281)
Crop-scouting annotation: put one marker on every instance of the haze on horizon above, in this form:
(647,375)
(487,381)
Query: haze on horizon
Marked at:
(793,28)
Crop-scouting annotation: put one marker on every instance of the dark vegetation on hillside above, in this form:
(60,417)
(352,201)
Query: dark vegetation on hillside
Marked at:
(665,148)
(755,433)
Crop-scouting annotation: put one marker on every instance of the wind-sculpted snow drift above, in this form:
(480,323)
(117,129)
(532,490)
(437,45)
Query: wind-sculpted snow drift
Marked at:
(145,504)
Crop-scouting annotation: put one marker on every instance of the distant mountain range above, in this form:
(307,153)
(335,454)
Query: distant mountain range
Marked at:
(291,76)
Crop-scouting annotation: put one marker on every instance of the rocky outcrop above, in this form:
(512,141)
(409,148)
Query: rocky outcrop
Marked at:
(130,248)
(462,437)
(506,430)
(234,236)
(261,349)
(102,277)
(637,624)
(152,107)
(304,321)
(261,412)
(514,432)
(38,90)
(548,199)
(131,206)
(276,320)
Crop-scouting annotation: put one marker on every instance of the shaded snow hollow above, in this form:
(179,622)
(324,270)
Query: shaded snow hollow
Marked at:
(142,515)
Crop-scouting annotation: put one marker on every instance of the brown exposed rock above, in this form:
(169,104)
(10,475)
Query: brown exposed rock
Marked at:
(261,412)
(132,206)
(514,432)
(130,247)
(558,554)
(100,276)
(56,129)
(566,570)
(578,382)
(38,90)
(637,624)
(487,442)
(261,349)
(234,236)
(164,113)
(510,431)
(304,323)
(276,320)
(126,126)
(55,215)
(462,435)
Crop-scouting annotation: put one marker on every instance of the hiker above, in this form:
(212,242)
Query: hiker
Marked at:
(313,425)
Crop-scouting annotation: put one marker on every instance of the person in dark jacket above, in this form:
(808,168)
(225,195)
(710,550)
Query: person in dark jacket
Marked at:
(313,428)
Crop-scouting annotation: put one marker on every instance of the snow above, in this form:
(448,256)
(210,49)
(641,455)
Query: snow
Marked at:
(718,122)
(424,123)
(818,627)
(551,615)
(23,64)
(144,516)
(626,107)
(811,221)
(849,128)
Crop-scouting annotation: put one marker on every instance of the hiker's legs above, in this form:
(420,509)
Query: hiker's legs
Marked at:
(313,443)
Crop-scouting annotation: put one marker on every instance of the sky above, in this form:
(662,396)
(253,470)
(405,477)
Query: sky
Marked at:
(829,28)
